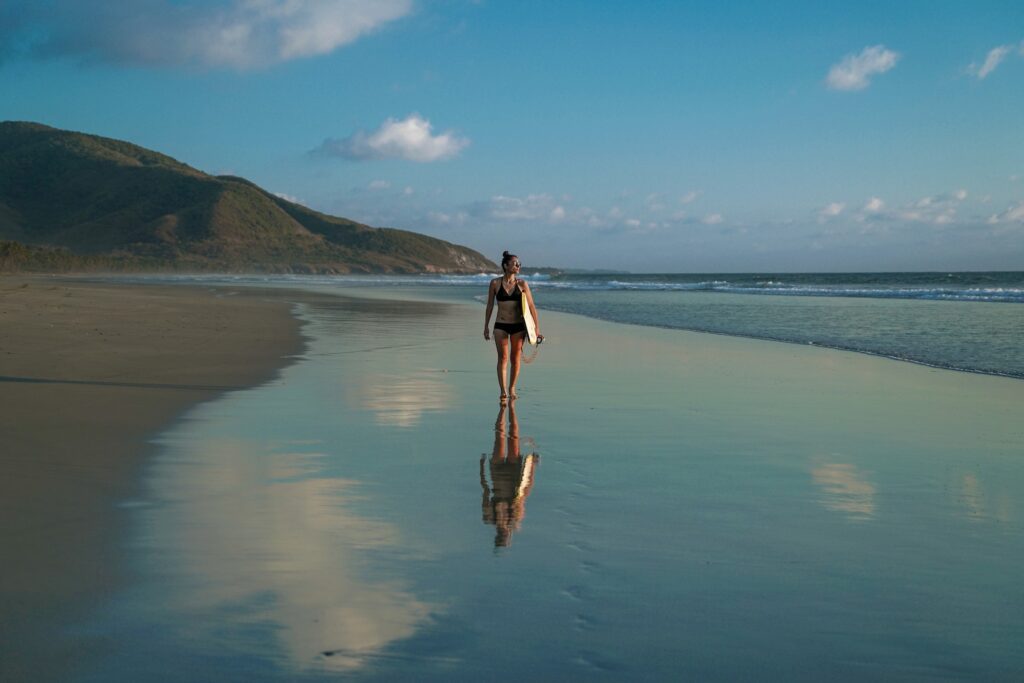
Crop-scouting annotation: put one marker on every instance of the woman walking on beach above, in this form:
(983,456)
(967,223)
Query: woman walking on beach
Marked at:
(510,324)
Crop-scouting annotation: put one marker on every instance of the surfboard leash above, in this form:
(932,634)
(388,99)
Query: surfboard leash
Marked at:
(529,358)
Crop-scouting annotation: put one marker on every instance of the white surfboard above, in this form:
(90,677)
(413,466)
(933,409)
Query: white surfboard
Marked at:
(526,481)
(531,324)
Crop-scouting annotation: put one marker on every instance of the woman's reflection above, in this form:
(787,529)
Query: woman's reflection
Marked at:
(504,503)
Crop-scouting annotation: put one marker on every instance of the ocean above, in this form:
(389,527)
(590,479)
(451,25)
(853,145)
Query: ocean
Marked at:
(961,321)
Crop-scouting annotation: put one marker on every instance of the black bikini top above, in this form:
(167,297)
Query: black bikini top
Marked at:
(502,295)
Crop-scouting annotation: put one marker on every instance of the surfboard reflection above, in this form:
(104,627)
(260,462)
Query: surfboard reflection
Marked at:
(512,476)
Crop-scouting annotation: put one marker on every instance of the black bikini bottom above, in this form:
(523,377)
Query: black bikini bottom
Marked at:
(511,328)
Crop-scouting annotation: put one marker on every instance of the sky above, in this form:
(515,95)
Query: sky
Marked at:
(642,136)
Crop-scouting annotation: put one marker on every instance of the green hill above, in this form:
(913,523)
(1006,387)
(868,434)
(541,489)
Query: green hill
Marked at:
(96,203)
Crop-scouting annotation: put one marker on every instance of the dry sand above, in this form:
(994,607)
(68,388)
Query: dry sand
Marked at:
(87,373)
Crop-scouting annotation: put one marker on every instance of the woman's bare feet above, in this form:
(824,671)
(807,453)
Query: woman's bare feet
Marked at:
(503,399)
(512,394)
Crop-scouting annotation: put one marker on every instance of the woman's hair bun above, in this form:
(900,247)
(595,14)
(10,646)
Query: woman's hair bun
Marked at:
(505,254)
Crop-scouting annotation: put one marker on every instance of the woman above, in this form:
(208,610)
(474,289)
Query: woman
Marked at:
(509,325)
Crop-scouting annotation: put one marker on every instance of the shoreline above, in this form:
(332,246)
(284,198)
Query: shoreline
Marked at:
(811,345)
(752,337)
(996,366)
(89,372)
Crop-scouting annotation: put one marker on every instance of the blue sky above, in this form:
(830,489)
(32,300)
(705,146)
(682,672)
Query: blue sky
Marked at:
(648,136)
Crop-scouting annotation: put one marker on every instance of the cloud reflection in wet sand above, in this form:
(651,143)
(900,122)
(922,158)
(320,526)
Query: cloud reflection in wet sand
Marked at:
(978,505)
(846,490)
(402,400)
(972,496)
(253,537)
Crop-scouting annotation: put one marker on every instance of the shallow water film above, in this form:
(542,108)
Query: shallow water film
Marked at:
(657,505)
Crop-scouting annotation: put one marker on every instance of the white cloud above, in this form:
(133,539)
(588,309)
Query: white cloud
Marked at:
(830,211)
(534,207)
(411,139)
(712,219)
(1013,214)
(586,216)
(993,59)
(408,191)
(457,218)
(379,185)
(288,197)
(937,209)
(543,209)
(690,197)
(873,205)
(655,202)
(239,34)
(854,72)
(873,211)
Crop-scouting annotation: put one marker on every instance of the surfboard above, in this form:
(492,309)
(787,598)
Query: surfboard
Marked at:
(526,480)
(531,324)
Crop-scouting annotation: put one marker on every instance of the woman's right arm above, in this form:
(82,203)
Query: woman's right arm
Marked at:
(490,308)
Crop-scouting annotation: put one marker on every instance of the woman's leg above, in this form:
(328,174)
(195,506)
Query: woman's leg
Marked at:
(501,344)
(516,342)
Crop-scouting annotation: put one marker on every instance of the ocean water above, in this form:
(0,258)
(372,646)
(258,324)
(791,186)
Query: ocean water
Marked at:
(950,320)
(703,508)
(961,321)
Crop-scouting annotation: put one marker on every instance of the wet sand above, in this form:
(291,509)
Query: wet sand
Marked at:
(699,508)
(89,372)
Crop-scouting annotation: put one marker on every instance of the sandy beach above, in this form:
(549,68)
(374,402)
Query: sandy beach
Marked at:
(88,373)
(697,506)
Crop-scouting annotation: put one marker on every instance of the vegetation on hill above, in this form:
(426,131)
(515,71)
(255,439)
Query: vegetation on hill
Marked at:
(95,203)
